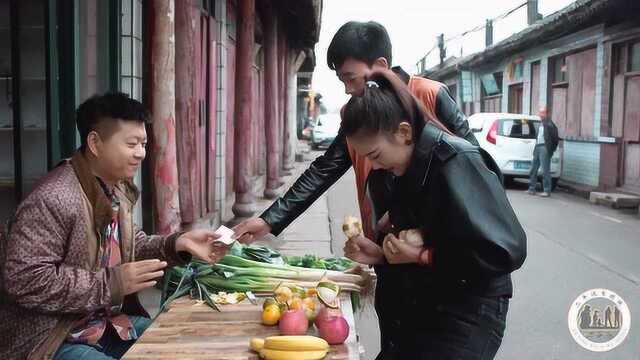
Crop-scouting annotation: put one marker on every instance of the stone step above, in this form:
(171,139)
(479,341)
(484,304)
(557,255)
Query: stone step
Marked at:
(614,200)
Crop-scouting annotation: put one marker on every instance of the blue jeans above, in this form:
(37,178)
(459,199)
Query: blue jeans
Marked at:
(540,158)
(109,347)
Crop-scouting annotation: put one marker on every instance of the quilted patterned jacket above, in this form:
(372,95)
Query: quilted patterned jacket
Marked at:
(49,276)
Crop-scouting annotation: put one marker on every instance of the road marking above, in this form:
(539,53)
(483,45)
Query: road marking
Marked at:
(605,217)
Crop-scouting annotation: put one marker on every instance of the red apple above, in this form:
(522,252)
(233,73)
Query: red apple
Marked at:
(326,313)
(334,330)
(293,322)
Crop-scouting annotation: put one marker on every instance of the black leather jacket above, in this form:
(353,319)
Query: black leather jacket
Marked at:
(453,192)
(328,168)
(551,137)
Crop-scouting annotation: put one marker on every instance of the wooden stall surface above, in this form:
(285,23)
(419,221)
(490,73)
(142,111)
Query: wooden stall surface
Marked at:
(189,330)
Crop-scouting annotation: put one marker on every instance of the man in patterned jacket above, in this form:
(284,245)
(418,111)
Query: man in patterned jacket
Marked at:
(72,261)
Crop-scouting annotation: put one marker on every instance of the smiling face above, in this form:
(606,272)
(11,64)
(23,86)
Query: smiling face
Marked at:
(118,153)
(353,74)
(387,151)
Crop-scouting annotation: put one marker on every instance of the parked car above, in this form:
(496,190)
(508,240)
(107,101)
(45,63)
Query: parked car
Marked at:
(510,139)
(325,130)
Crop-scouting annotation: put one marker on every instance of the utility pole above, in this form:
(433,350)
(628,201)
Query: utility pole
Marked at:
(488,38)
(443,50)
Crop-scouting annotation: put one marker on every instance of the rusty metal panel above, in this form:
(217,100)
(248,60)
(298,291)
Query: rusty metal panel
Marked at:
(632,109)
(535,88)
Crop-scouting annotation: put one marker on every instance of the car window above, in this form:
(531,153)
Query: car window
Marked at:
(518,128)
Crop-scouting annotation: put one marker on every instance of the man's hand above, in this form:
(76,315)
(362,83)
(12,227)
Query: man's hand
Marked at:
(363,250)
(251,230)
(202,244)
(139,275)
(405,254)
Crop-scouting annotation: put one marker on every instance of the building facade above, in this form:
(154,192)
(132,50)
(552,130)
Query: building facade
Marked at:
(219,76)
(582,64)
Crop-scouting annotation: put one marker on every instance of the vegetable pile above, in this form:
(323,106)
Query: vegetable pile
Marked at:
(240,274)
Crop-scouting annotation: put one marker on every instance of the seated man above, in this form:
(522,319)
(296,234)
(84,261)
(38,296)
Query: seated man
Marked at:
(72,263)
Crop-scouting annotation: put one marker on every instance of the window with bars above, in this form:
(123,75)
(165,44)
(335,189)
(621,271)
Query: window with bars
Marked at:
(131,48)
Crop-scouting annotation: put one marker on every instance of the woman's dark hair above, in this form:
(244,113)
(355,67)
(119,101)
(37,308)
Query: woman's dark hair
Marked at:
(364,41)
(385,103)
(101,112)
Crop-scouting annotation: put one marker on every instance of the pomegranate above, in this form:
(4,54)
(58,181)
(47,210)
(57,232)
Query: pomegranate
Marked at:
(334,330)
(293,322)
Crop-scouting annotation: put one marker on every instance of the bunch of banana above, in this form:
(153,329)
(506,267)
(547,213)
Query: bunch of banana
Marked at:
(290,347)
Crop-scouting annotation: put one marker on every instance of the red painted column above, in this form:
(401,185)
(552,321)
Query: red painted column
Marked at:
(271,103)
(281,95)
(186,109)
(286,136)
(162,99)
(243,206)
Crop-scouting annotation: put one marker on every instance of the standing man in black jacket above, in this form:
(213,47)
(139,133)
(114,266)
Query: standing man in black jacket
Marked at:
(546,144)
(356,50)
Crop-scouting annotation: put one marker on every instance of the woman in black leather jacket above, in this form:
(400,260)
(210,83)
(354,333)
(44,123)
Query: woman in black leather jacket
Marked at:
(448,298)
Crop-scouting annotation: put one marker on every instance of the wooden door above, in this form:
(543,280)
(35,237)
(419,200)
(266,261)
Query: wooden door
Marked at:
(212,113)
(588,98)
(559,109)
(631,134)
(515,99)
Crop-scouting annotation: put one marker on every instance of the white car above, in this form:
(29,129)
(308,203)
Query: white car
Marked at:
(510,139)
(325,130)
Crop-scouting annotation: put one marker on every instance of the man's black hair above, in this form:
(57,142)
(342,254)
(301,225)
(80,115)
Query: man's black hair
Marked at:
(101,113)
(364,41)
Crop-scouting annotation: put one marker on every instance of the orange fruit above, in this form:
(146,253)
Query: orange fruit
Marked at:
(309,303)
(296,304)
(271,315)
(312,292)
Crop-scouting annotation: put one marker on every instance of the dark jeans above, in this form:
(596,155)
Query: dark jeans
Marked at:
(109,347)
(541,157)
(464,327)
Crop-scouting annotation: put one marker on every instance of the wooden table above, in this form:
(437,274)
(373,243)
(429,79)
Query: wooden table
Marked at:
(189,330)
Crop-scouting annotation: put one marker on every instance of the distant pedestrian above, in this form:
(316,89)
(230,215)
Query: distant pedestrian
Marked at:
(608,316)
(616,317)
(585,317)
(597,322)
(546,144)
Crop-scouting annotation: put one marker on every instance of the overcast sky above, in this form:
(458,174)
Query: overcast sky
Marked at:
(413,26)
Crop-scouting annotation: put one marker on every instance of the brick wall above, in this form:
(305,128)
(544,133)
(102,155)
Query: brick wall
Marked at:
(581,162)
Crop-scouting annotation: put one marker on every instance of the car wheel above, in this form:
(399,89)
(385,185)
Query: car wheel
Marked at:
(507,181)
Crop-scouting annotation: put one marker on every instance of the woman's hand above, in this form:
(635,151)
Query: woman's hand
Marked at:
(363,250)
(404,253)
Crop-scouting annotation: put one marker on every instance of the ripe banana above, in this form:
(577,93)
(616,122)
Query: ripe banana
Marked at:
(256,344)
(296,343)
(269,354)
